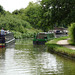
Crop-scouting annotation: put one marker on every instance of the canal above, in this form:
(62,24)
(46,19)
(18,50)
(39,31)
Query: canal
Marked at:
(23,58)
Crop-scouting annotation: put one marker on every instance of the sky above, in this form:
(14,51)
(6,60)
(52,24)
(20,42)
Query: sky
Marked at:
(11,5)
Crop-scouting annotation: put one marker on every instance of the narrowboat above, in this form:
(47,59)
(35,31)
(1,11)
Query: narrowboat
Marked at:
(6,39)
(42,37)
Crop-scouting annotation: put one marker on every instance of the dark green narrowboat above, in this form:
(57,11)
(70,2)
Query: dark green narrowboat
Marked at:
(42,37)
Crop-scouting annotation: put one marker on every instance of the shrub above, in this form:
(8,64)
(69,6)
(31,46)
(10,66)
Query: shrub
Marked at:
(29,33)
(12,22)
(72,32)
(17,35)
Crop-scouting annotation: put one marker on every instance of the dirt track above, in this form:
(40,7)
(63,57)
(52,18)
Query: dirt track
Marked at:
(65,44)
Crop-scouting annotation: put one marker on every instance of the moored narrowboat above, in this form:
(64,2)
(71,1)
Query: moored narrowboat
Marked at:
(6,39)
(42,37)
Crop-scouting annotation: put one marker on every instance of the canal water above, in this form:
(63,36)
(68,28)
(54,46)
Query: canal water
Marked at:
(23,58)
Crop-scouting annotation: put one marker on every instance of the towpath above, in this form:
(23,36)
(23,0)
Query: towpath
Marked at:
(66,44)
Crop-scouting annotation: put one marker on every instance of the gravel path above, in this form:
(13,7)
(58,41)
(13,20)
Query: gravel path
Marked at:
(65,44)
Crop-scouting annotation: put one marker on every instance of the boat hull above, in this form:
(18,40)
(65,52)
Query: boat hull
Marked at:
(42,37)
(2,45)
(39,42)
(6,39)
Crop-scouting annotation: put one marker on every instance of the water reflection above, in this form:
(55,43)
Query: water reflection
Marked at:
(2,60)
(2,53)
(26,59)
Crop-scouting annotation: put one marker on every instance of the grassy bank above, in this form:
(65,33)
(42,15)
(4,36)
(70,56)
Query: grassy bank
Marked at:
(71,43)
(58,49)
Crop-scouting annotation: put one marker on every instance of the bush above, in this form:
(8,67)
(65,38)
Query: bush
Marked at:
(12,22)
(17,35)
(20,28)
(29,33)
(72,32)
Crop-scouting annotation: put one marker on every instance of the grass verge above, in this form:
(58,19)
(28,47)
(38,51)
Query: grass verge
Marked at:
(71,43)
(58,49)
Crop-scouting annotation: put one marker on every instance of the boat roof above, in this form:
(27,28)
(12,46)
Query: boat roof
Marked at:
(45,32)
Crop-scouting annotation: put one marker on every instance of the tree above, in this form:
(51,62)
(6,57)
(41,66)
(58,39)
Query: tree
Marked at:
(30,14)
(33,13)
(16,12)
(2,11)
(58,12)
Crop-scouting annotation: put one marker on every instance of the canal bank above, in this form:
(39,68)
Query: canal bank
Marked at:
(55,46)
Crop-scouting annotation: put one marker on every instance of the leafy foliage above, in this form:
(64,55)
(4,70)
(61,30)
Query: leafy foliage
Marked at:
(72,33)
(2,11)
(18,26)
(58,12)
(30,14)
(43,15)
(12,22)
